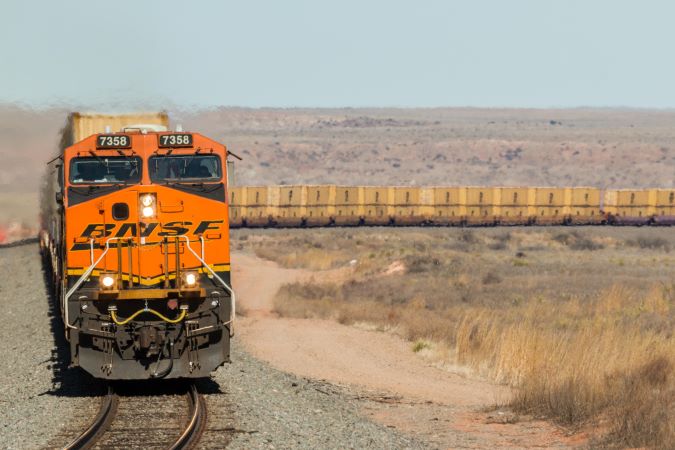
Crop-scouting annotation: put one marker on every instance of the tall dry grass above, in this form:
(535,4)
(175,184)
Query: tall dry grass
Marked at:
(611,360)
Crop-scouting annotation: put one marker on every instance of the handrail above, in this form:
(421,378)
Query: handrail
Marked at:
(83,277)
(215,275)
(91,268)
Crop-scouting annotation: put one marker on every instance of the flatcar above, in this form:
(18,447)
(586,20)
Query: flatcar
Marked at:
(135,230)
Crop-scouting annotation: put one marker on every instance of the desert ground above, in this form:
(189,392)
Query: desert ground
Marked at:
(509,337)
(572,324)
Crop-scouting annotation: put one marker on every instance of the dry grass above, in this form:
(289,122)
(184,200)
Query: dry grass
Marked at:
(580,321)
(575,362)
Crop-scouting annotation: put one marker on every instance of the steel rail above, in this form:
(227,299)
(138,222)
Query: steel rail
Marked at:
(101,422)
(197,422)
(20,242)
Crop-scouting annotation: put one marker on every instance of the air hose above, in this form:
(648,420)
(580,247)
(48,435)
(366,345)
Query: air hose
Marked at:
(113,315)
(166,371)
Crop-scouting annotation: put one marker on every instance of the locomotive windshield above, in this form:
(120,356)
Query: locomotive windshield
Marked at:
(185,167)
(104,169)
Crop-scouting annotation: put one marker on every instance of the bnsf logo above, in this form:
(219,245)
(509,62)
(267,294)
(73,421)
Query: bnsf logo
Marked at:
(128,229)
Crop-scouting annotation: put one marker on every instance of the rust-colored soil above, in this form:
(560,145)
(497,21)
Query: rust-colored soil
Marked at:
(399,388)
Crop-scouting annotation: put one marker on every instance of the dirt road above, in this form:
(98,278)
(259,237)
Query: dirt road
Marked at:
(399,388)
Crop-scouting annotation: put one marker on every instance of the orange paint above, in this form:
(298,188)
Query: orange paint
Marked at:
(177,211)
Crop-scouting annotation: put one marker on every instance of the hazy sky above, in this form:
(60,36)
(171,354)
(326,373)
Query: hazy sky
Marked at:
(534,53)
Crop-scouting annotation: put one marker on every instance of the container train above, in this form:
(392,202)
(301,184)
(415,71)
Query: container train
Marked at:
(134,227)
(327,205)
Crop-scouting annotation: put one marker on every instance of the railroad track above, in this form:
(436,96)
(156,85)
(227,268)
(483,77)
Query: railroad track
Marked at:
(105,431)
(20,242)
(197,421)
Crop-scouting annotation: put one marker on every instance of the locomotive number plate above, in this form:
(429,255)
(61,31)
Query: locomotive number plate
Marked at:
(114,141)
(175,140)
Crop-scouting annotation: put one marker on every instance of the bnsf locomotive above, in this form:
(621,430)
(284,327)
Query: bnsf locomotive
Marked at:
(135,227)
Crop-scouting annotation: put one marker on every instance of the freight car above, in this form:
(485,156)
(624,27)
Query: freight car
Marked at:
(135,229)
(330,205)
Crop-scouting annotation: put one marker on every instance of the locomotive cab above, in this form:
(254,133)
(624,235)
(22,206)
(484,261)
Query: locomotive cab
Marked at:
(144,279)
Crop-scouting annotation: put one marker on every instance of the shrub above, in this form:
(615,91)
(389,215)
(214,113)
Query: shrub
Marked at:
(643,413)
(651,243)
(491,278)
(585,244)
(467,237)
(499,245)
(420,345)
(562,238)
(419,264)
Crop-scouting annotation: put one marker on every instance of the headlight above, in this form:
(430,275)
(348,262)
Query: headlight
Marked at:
(189,279)
(148,211)
(108,282)
(148,205)
(147,200)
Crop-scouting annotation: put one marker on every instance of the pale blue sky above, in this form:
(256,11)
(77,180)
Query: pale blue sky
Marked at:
(521,53)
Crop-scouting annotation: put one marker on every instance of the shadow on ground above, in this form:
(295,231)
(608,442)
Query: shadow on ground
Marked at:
(67,381)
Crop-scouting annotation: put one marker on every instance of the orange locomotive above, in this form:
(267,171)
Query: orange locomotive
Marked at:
(135,225)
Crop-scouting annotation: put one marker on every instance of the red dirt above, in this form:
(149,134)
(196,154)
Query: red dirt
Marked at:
(399,388)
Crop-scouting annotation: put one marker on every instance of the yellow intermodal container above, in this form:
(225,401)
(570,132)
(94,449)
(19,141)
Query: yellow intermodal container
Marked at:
(635,204)
(584,205)
(290,210)
(236,206)
(549,205)
(513,205)
(665,204)
(318,205)
(83,125)
(258,204)
(407,205)
(481,205)
(348,205)
(375,205)
(449,204)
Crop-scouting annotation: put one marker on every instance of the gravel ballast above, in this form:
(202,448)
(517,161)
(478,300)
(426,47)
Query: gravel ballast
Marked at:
(39,394)
(264,408)
(43,403)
